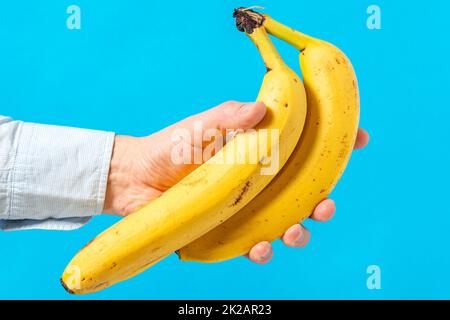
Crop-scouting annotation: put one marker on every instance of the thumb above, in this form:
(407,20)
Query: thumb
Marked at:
(228,115)
(236,115)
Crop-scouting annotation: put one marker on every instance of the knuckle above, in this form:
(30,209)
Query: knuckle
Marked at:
(245,122)
(230,104)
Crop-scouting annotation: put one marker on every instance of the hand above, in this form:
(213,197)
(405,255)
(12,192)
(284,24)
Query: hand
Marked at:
(142,168)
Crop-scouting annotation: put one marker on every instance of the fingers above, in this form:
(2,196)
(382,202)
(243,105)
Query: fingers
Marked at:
(362,139)
(261,253)
(324,211)
(296,236)
(228,115)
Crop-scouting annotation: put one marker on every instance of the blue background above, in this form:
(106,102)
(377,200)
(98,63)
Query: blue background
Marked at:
(138,66)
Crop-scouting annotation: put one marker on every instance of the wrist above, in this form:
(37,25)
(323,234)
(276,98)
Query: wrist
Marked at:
(119,174)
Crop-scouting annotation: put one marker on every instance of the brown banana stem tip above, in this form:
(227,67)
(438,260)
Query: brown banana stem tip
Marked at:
(66,287)
(247,20)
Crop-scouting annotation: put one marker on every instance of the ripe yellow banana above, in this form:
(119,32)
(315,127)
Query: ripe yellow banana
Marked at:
(203,199)
(314,167)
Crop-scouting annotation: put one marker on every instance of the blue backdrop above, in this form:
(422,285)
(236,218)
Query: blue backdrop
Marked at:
(138,66)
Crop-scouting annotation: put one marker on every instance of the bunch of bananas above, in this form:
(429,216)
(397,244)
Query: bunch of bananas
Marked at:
(220,211)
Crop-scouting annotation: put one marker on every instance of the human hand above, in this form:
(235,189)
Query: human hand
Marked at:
(142,168)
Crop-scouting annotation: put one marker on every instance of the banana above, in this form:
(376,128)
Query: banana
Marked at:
(314,167)
(206,197)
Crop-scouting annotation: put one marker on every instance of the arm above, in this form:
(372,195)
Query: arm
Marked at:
(51,177)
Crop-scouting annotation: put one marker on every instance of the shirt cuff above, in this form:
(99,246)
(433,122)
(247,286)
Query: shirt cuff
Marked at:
(66,224)
(58,178)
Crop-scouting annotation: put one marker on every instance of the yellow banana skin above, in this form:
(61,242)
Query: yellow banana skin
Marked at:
(205,198)
(314,167)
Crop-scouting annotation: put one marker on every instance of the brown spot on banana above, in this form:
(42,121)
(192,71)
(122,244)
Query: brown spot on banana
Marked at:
(242,193)
(101,285)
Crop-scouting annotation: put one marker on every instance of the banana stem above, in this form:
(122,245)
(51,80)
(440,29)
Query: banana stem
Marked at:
(295,38)
(269,53)
(251,23)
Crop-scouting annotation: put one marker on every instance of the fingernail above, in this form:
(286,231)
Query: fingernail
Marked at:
(300,239)
(266,255)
